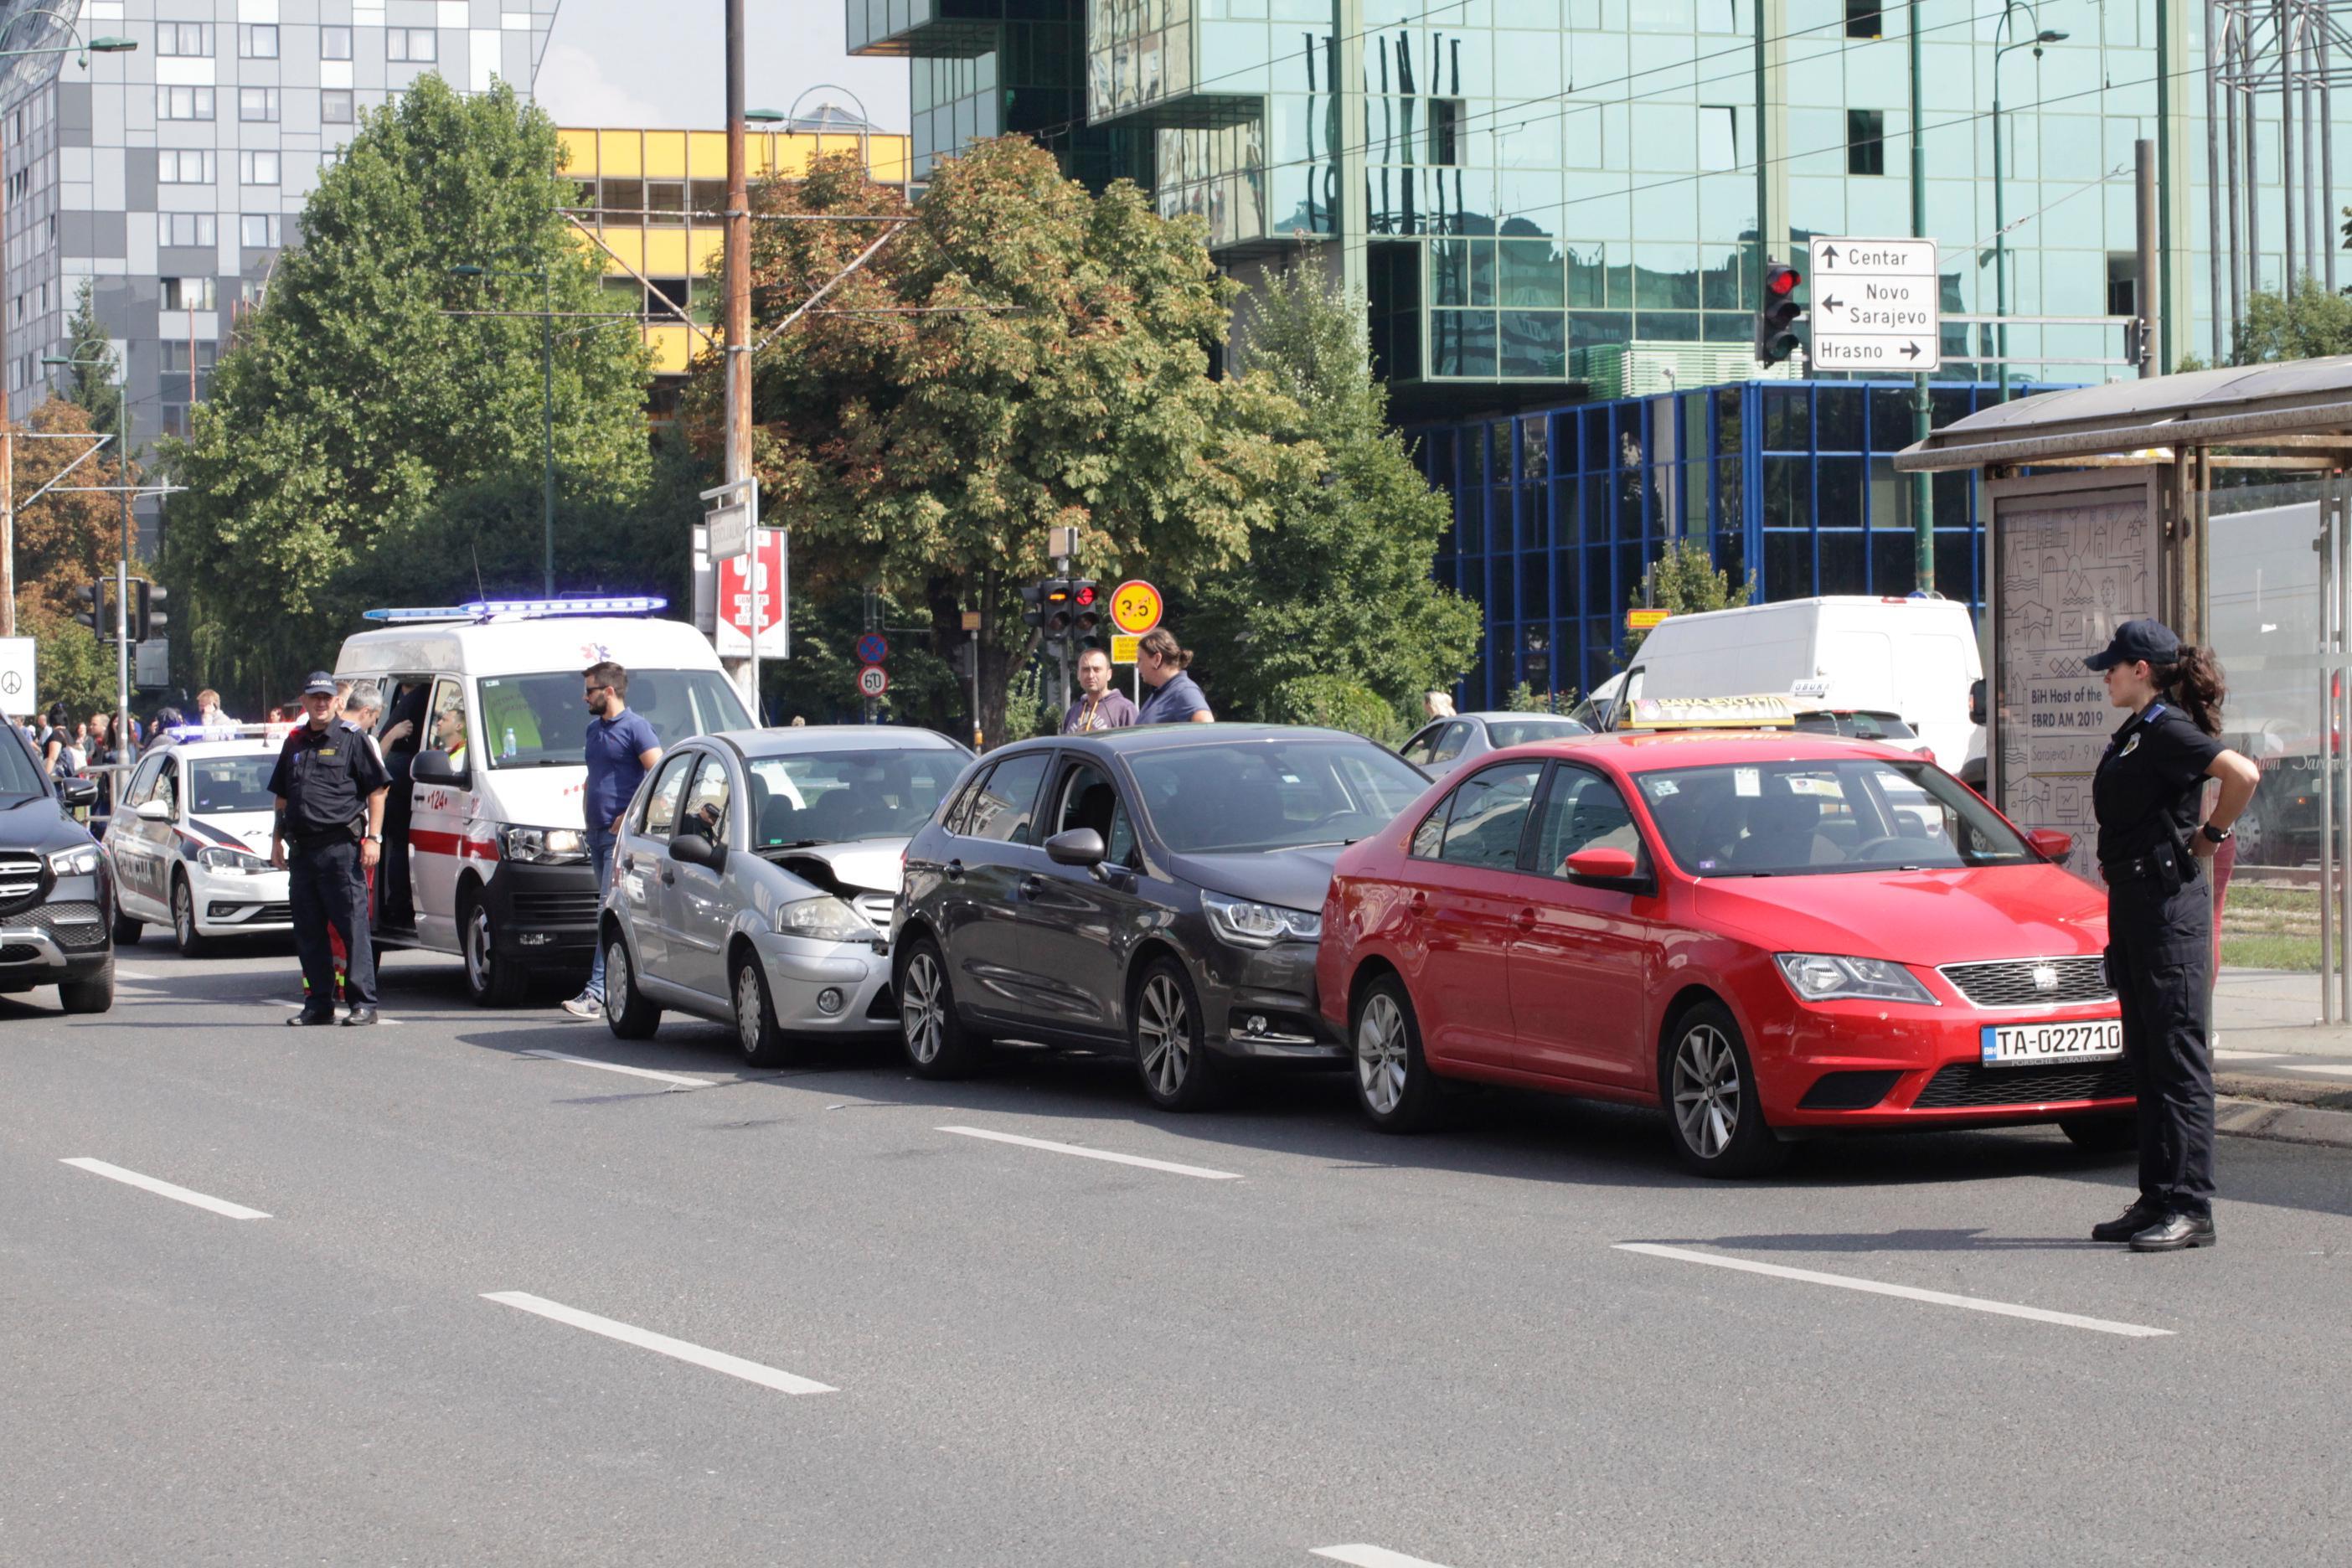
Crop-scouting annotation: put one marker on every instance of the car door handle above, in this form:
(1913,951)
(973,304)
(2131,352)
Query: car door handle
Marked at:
(1031,885)
(1418,904)
(669,878)
(954,870)
(1525,919)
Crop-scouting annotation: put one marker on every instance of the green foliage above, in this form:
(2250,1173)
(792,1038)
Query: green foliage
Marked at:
(819,682)
(92,383)
(1337,596)
(2310,323)
(360,433)
(1338,703)
(1525,699)
(75,668)
(1683,581)
(1028,707)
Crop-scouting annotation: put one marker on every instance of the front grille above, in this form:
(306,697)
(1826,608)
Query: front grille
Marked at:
(24,878)
(876,907)
(556,909)
(1967,1085)
(18,952)
(2008,982)
(71,925)
(272,914)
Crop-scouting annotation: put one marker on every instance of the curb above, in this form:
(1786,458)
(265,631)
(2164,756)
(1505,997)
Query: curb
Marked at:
(2283,1123)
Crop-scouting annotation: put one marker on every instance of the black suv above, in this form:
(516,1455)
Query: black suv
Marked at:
(1157,890)
(57,892)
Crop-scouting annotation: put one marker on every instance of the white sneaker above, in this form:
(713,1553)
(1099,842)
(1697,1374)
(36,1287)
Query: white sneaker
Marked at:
(585,1006)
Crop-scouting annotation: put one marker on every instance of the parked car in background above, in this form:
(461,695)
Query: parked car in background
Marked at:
(57,891)
(1156,890)
(754,878)
(1766,934)
(1442,745)
(189,839)
(1858,724)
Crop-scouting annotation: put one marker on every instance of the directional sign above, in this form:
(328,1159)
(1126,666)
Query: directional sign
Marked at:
(1876,305)
(1135,606)
(873,649)
(873,680)
(730,529)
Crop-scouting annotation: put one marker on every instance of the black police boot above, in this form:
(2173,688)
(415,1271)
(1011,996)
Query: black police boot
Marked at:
(363,1014)
(307,1018)
(2175,1233)
(2130,1223)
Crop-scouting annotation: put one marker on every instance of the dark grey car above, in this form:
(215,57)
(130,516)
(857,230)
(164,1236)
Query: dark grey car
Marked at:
(1158,889)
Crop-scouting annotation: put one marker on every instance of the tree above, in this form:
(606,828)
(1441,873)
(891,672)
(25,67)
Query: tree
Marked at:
(1333,613)
(93,380)
(70,536)
(1018,355)
(2309,324)
(1683,581)
(361,430)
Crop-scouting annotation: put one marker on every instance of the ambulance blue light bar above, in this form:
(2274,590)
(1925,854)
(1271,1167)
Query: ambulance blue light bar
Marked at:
(487,609)
(228,731)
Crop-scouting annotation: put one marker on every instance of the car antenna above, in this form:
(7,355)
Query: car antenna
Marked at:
(479,591)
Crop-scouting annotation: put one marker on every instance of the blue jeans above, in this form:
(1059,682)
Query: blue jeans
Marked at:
(600,851)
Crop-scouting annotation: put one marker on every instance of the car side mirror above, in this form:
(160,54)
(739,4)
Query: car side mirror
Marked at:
(434,767)
(78,792)
(2051,844)
(690,849)
(1078,846)
(152,811)
(1601,864)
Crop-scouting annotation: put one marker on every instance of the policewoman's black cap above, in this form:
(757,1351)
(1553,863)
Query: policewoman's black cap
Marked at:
(2137,640)
(321,685)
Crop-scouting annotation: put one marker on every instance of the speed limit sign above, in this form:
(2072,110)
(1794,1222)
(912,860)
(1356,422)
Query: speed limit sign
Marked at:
(1135,606)
(873,680)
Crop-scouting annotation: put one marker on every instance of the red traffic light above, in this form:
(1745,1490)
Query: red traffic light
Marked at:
(1085,593)
(1781,280)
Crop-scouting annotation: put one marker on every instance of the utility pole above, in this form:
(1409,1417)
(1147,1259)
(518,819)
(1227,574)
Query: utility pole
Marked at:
(8,435)
(2144,208)
(1763,169)
(1923,494)
(737,279)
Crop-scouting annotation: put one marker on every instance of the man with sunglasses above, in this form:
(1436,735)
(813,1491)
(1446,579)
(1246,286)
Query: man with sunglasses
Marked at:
(622,749)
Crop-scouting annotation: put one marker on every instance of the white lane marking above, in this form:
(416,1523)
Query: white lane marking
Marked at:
(2229,1056)
(676,1077)
(1908,1292)
(133,974)
(2336,1069)
(1054,1148)
(165,1189)
(646,1338)
(1373,1557)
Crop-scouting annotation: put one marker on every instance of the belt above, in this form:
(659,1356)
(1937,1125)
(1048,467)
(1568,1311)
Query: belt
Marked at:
(2144,868)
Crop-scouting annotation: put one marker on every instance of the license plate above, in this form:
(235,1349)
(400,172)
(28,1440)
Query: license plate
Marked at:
(2021,1045)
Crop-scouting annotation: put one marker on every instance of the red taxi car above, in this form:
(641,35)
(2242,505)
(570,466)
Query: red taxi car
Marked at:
(1765,934)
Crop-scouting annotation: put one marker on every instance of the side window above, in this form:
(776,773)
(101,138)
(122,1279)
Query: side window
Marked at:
(142,783)
(449,723)
(1417,750)
(1449,745)
(1582,811)
(399,694)
(660,818)
(167,786)
(1003,804)
(706,800)
(1489,812)
(1088,800)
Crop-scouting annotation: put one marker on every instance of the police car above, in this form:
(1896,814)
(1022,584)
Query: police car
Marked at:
(190,839)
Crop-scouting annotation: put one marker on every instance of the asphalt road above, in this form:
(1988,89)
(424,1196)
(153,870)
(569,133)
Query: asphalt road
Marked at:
(954,1349)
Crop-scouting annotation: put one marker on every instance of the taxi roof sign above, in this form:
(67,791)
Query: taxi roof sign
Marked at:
(1765,711)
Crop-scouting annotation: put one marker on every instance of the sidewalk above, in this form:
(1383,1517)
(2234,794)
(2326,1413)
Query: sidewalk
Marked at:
(2266,1024)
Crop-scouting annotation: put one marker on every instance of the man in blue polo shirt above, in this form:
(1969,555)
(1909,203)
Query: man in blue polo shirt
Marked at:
(622,748)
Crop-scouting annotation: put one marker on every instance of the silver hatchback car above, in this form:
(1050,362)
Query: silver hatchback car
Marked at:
(754,878)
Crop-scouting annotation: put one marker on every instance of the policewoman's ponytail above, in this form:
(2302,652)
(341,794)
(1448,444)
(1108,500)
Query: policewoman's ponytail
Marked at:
(2193,683)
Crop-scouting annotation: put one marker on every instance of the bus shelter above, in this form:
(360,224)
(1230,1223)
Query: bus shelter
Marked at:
(2214,500)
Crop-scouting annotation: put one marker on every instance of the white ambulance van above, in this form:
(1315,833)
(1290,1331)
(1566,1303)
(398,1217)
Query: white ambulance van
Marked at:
(1914,657)
(492,769)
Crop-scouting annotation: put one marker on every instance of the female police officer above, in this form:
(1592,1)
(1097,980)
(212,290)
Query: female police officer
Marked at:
(2148,792)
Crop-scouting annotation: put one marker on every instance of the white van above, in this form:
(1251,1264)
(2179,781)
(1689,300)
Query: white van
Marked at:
(1914,657)
(492,842)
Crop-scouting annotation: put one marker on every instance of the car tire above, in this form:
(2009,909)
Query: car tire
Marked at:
(1172,1053)
(490,981)
(126,930)
(757,1035)
(1394,1087)
(2102,1134)
(1707,1084)
(627,1013)
(937,1042)
(192,943)
(94,994)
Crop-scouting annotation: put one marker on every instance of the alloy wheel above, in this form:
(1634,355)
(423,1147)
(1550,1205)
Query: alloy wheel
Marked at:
(1708,1095)
(748,1009)
(1380,1055)
(1165,1029)
(922,1014)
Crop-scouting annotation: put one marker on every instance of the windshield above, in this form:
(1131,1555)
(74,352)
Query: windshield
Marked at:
(538,720)
(1810,818)
(1260,795)
(829,798)
(1859,723)
(19,774)
(232,783)
(1519,731)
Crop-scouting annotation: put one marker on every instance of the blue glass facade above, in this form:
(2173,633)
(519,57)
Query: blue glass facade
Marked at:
(1557,513)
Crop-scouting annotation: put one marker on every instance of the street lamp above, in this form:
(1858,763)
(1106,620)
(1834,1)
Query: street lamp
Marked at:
(547,401)
(123,569)
(1999,232)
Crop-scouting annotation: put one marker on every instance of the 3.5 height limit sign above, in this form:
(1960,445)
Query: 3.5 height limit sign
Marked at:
(1876,305)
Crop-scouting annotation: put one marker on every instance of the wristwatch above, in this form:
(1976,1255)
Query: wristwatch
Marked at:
(372,837)
(2217,835)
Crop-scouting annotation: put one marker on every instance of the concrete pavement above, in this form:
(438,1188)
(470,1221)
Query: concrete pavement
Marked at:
(1439,1347)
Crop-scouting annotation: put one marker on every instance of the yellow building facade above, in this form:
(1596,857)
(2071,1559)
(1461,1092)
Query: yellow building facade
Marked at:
(653,199)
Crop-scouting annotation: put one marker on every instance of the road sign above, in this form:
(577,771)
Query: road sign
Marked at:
(734,635)
(17,685)
(873,680)
(1135,606)
(1123,648)
(873,649)
(1877,305)
(1644,620)
(153,663)
(730,529)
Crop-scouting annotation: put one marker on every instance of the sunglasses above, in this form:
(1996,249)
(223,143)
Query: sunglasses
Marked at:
(594,689)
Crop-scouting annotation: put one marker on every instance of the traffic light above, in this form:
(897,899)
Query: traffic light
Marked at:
(1775,339)
(97,616)
(1032,604)
(1060,610)
(147,618)
(1086,607)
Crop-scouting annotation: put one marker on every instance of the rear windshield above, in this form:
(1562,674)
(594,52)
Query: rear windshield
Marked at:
(1857,724)
(1519,731)
(1280,795)
(232,783)
(1817,818)
(539,720)
(831,797)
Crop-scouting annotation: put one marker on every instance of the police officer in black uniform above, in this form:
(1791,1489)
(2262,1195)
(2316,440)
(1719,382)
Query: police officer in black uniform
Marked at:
(2148,791)
(330,787)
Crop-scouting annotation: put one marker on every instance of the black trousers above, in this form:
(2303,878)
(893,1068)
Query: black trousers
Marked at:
(2164,956)
(329,887)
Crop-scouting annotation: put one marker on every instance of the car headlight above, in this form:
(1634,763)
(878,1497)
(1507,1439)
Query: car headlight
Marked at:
(543,846)
(1246,923)
(82,860)
(234,862)
(823,919)
(1821,976)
